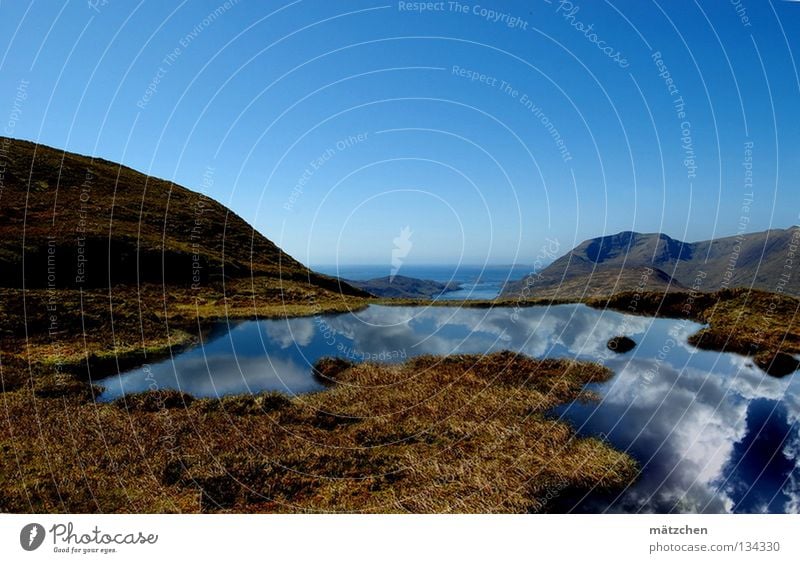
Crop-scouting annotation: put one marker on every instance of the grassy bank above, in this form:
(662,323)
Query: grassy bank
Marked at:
(53,336)
(458,434)
(754,323)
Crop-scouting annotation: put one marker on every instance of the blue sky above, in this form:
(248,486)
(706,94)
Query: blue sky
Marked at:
(487,128)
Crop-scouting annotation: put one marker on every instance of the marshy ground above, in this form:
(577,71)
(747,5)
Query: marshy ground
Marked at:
(456,434)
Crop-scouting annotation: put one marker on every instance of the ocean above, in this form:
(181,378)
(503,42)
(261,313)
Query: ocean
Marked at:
(478,282)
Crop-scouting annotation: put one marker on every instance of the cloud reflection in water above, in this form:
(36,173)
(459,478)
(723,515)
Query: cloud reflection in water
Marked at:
(712,432)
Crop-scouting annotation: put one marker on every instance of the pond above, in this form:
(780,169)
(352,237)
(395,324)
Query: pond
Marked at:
(711,431)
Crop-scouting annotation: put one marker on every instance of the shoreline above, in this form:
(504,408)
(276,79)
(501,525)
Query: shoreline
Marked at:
(733,319)
(349,418)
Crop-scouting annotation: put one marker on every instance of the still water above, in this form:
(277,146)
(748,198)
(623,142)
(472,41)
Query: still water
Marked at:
(711,431)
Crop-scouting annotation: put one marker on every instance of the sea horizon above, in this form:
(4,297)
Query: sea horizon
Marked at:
(477,281)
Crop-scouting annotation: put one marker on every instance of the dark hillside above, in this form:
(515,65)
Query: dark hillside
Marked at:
(75,221)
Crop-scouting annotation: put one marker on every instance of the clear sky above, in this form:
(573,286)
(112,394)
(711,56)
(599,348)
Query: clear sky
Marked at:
(487,128)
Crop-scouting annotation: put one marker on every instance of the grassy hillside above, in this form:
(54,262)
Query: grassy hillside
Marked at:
(583,280)
(403,287)
(80,222)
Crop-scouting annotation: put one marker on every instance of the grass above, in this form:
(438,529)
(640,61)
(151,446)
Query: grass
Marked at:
(457,434)
(92,333)
(460,434)
(82,222)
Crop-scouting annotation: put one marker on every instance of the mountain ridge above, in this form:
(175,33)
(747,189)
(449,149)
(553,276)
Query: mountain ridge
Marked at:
(607,264)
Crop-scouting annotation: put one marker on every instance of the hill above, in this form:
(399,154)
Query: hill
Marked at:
(630,261)
(103,266)
(71,221)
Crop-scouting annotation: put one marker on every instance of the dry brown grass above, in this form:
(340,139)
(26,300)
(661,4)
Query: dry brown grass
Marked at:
(459,434)
(99,331)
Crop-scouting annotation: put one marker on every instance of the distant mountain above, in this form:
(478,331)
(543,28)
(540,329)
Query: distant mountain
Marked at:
(76,221)
(404,287)
(656,262)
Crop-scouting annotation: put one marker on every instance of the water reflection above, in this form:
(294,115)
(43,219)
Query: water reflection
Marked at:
(692,428)
(754,475)
(277,354)
(711,431)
